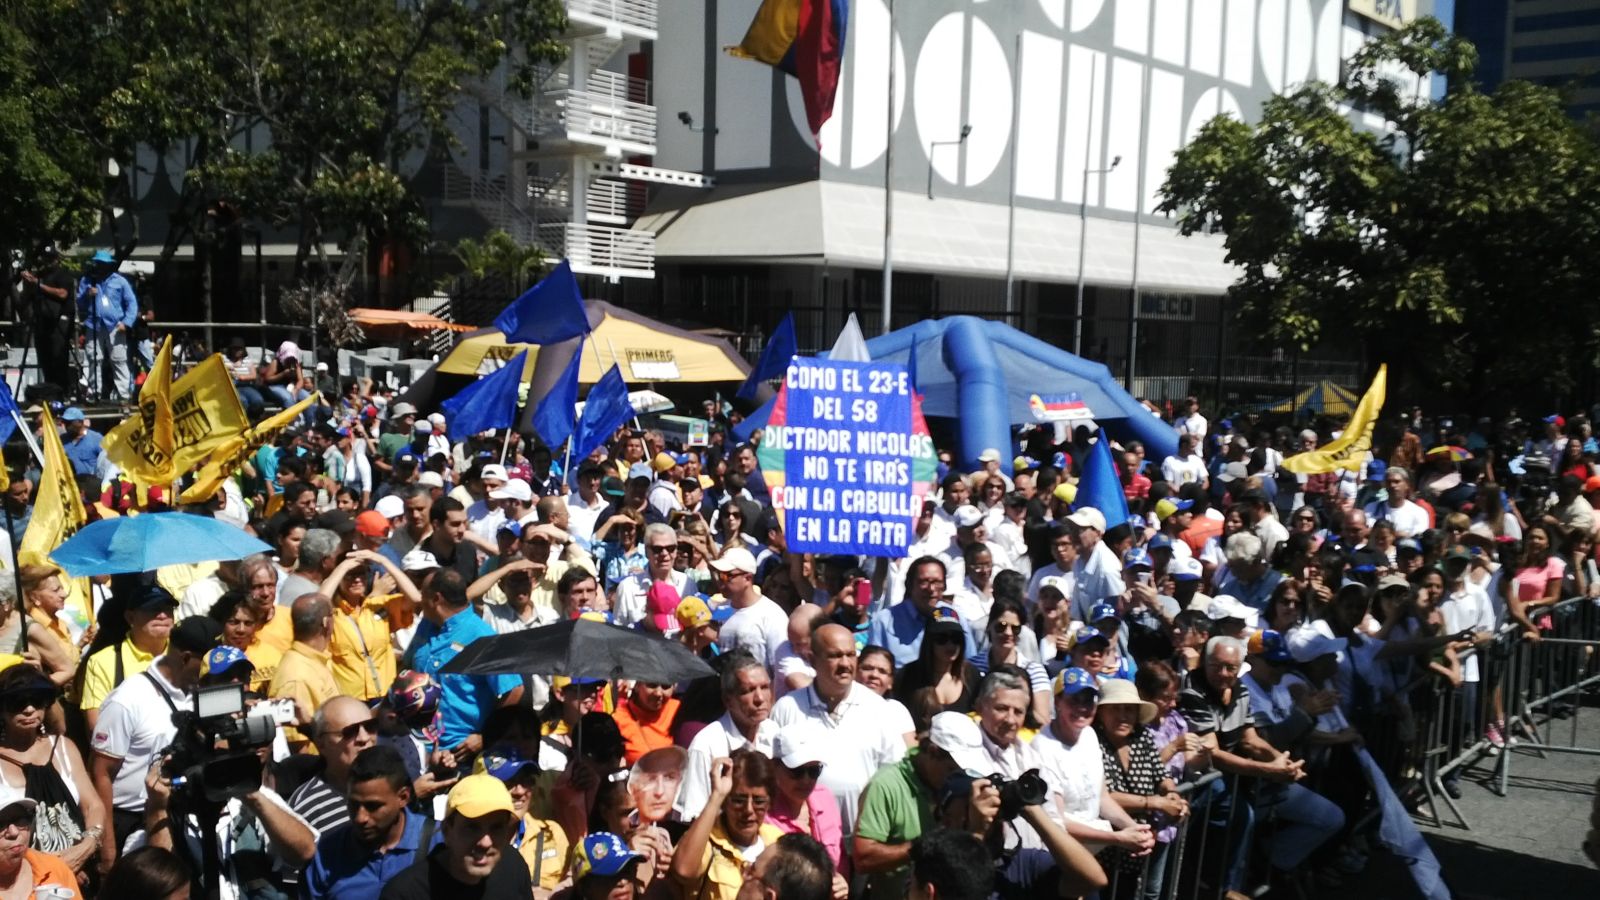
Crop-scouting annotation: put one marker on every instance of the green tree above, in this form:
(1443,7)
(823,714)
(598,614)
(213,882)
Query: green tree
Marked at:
(291,113)
(1454,245)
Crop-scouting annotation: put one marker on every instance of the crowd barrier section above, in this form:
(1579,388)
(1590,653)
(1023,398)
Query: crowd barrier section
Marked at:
(1547,680)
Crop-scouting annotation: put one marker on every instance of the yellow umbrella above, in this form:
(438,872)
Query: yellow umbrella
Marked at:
(644,349)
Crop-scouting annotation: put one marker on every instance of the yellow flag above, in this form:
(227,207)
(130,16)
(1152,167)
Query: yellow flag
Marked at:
(58,510)
(1351,448)
(203,413)
(142,446)
(232,453)
(5,472)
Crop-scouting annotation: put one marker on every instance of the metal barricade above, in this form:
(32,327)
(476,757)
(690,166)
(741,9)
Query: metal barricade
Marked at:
(1547,678)
(1165,882)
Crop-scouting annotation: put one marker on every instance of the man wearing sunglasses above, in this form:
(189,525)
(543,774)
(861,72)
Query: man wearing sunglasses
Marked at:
(661,552)
(341,729)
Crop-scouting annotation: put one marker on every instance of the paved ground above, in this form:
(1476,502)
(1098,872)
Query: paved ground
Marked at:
(1528,843)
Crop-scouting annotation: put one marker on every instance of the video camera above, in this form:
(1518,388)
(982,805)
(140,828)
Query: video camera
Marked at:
(1028,789)
(215,751)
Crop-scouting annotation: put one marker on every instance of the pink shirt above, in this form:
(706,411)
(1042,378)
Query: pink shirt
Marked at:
(1531,582)
(826,826)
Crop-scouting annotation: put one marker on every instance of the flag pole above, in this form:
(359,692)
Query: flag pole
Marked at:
(16,572)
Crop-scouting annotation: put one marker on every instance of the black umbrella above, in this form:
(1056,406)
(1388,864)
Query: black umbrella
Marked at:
(580,648)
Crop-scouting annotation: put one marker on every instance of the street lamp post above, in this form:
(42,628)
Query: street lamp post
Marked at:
(1083,234)
(965,130)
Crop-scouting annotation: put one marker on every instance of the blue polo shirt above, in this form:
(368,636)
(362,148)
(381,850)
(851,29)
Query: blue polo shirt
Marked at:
(345,869)
(899,629)
(467,699)
(83,452)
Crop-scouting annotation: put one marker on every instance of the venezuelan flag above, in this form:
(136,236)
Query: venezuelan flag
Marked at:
(804,38)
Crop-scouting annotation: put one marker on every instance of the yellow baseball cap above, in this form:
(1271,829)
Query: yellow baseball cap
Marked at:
(476,796)
(662,462)
(692,613)
(1066,493)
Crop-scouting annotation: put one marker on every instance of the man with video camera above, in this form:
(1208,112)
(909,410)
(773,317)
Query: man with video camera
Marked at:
(938,784)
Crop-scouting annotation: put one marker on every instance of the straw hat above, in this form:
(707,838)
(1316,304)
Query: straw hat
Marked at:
(1121,692)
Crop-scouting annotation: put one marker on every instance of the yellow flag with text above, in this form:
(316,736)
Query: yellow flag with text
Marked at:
(1351,449)
(232,453)
(203,414)
(58,509)
(143,446)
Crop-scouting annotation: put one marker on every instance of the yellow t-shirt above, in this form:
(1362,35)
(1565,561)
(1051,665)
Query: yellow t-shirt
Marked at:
(721,869)
(545,849)
(266,650)
(304,675)
(99,674)
(363,655)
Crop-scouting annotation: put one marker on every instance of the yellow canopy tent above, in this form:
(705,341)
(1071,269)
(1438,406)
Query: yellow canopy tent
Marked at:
(644,349)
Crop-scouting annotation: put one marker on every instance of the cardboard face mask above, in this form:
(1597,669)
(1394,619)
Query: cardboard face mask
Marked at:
(655,780)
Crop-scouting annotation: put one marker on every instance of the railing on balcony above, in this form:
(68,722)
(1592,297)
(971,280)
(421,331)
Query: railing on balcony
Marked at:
(488,197)
(602,250)
(608,202)
(603,119)
(636,16)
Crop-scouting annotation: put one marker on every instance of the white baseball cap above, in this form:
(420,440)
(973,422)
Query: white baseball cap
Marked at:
(799,743)
(390,507)
(959,736)
(989,455)
(419,560)
(735,559)
(967,516)
(495,472)
(437,419)
(515,489)
(431,479)
(1088,517)
(1226,607)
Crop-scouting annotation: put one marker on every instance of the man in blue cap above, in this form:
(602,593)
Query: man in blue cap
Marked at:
(108,307)
(81,442)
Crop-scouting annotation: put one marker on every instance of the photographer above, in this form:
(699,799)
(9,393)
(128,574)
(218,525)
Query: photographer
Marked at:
(931,785)
(135,725)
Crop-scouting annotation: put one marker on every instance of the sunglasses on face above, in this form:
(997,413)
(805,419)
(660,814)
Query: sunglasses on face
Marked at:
(1007,628)
(39,700)
(947,640)
(354,729)
(812,771)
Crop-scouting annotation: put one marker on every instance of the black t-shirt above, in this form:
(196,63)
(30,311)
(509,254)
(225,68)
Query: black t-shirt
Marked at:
(428,880)
(48,310)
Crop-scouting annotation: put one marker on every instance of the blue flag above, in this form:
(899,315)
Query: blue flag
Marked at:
(557,413)
(549,312)
(605,410)
(8,412)
(774,360)
(1099,486)
(489,402)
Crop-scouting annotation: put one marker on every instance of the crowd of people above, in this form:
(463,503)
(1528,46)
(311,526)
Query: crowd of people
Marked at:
(1027,703)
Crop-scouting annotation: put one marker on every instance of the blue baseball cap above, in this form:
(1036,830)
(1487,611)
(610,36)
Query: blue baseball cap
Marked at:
(103,256)
(1375,470)
(1103,611)
(505,762)
(1270,646)
(72,414)
(1137,556)
(945,619)
(603,854)
(723,613)
(1074,680)
(224,657)
(1088,633)
(1159,542)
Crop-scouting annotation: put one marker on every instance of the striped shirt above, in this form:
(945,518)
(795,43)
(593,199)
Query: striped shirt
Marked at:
(320,805)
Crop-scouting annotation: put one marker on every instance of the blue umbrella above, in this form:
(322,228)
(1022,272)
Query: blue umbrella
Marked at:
(147,542)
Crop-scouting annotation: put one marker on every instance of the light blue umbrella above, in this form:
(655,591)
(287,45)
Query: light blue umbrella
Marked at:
(147,542)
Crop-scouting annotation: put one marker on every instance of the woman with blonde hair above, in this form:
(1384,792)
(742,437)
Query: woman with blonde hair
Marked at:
(24,637)
(45,596)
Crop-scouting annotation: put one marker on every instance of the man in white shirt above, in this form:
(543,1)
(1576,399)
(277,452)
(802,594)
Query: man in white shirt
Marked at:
(1185,466)
(969,530)
(1408,519)
(493,477)
(661,551)
(747,696)
(861,732)
(1064,550)
(586,504)
(1069,759)
(1097,573)
(758,624)
(135,725)
(1191,423)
